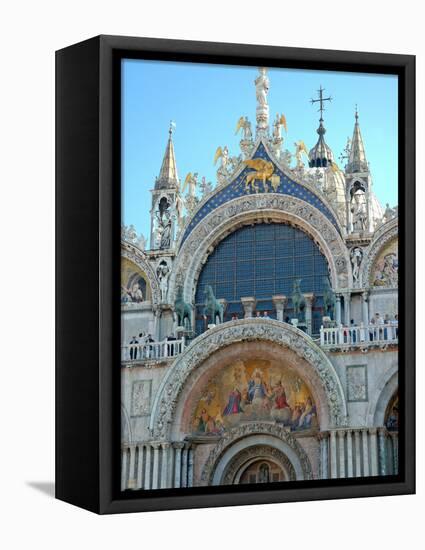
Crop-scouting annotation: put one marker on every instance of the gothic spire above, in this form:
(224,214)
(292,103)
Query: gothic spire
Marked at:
(357,161)
(168,177)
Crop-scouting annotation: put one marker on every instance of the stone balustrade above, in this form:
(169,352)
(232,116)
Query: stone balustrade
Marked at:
(358,336)
(358,452)
(151,351)
(157,465)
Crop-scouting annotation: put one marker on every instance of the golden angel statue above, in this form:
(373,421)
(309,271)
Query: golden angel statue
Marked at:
(300,149)
(244,124)
(223,154)
(191,182)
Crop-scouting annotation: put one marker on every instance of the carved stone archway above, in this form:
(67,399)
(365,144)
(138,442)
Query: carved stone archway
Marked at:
(258,208)
(378,402)
(255,439)
(135,255)
(385,234)
(246,330)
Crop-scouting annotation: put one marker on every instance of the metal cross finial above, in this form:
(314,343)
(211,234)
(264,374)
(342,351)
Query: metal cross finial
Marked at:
(356,114)
(172,127)
(321,101)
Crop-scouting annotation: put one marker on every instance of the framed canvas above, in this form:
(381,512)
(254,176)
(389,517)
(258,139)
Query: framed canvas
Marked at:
(235,276)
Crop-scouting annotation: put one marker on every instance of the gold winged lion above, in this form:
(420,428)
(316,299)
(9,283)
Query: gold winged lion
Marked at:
(263,171)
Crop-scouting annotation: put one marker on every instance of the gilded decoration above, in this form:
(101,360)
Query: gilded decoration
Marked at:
(254,390)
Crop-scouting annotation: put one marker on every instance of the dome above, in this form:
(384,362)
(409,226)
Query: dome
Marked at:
(377,212)
(333,187)
(321,154)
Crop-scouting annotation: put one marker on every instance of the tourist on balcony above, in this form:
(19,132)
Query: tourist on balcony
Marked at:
(266,315)
(133,348)
(353,332)
(258,314)
(150,349)
(171,347)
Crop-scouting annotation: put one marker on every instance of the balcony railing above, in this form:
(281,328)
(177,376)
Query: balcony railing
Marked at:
(359,336)
(151,351)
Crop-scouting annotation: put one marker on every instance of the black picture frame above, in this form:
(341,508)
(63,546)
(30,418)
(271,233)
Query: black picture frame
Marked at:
(88,272)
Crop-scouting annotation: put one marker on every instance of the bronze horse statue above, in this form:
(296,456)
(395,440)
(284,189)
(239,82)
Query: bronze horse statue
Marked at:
(183,310)
(212,306)
(298,301)
(328,299)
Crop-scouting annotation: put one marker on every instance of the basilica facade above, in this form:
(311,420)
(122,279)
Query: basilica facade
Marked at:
(259,336)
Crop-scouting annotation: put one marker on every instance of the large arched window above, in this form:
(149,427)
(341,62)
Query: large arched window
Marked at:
(262,261)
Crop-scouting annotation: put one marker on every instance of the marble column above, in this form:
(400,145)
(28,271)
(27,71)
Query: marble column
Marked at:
(155,470)
(347,309)
(338,309)
(164,464)
(131,467)
(394,440)
(178,446)
(309,299)
(373,442)
(124,468)
(249,304)
(324,455)
(358,461)
(148,459)
(139,477)
(185,453)
(279,302)
(334,470)
(349,436)
(191,458)
(382,448)
(365,453)
(365,308)
(341,437)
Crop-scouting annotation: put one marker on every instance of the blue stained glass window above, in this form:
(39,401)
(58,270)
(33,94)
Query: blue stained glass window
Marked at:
(260,261)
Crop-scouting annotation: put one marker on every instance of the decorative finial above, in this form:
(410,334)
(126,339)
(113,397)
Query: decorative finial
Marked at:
(172,128)
(356,115)
(321,101)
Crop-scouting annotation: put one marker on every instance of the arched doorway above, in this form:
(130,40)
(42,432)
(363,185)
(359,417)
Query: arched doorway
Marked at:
(258,464)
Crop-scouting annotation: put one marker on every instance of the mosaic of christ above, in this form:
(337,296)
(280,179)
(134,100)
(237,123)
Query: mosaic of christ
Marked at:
(254,390)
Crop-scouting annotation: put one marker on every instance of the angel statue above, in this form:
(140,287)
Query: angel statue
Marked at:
(300,149)
(223,154)
(244,124)
(222,172)
(191,182)
(277,126)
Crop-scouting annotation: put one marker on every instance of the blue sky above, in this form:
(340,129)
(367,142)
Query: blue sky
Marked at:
(205,102)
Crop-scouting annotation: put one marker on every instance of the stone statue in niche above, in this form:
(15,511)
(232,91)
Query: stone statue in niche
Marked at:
(356,257)
(358,209)
(163,272)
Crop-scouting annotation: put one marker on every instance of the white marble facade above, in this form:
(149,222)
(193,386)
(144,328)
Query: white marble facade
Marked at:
(348,367)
